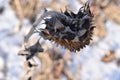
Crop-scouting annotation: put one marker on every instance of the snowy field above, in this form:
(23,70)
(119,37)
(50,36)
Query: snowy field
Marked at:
(11,65)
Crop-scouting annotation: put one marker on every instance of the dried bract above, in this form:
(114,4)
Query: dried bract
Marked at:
(31,51)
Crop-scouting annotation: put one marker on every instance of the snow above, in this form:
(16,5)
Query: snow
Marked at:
(10,45)
(1,63)
(90,57)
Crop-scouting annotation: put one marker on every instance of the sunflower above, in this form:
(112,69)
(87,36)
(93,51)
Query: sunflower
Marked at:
(70,30)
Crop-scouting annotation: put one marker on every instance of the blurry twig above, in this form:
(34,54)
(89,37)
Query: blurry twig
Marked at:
(109,56)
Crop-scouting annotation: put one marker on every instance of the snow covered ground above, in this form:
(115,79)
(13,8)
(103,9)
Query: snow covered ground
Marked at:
(10,41)
(11,65)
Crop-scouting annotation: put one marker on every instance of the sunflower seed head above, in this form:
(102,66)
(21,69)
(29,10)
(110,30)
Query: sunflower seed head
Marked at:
(73,31)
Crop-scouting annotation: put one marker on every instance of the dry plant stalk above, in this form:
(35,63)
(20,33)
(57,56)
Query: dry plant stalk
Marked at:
(26,8)
(104,10)
(109,11)
(109,56)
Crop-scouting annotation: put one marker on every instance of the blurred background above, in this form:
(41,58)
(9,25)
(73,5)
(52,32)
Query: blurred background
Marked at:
(98,61)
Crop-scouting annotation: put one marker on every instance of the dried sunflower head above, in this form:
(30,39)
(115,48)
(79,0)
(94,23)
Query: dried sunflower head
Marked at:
(73,31)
